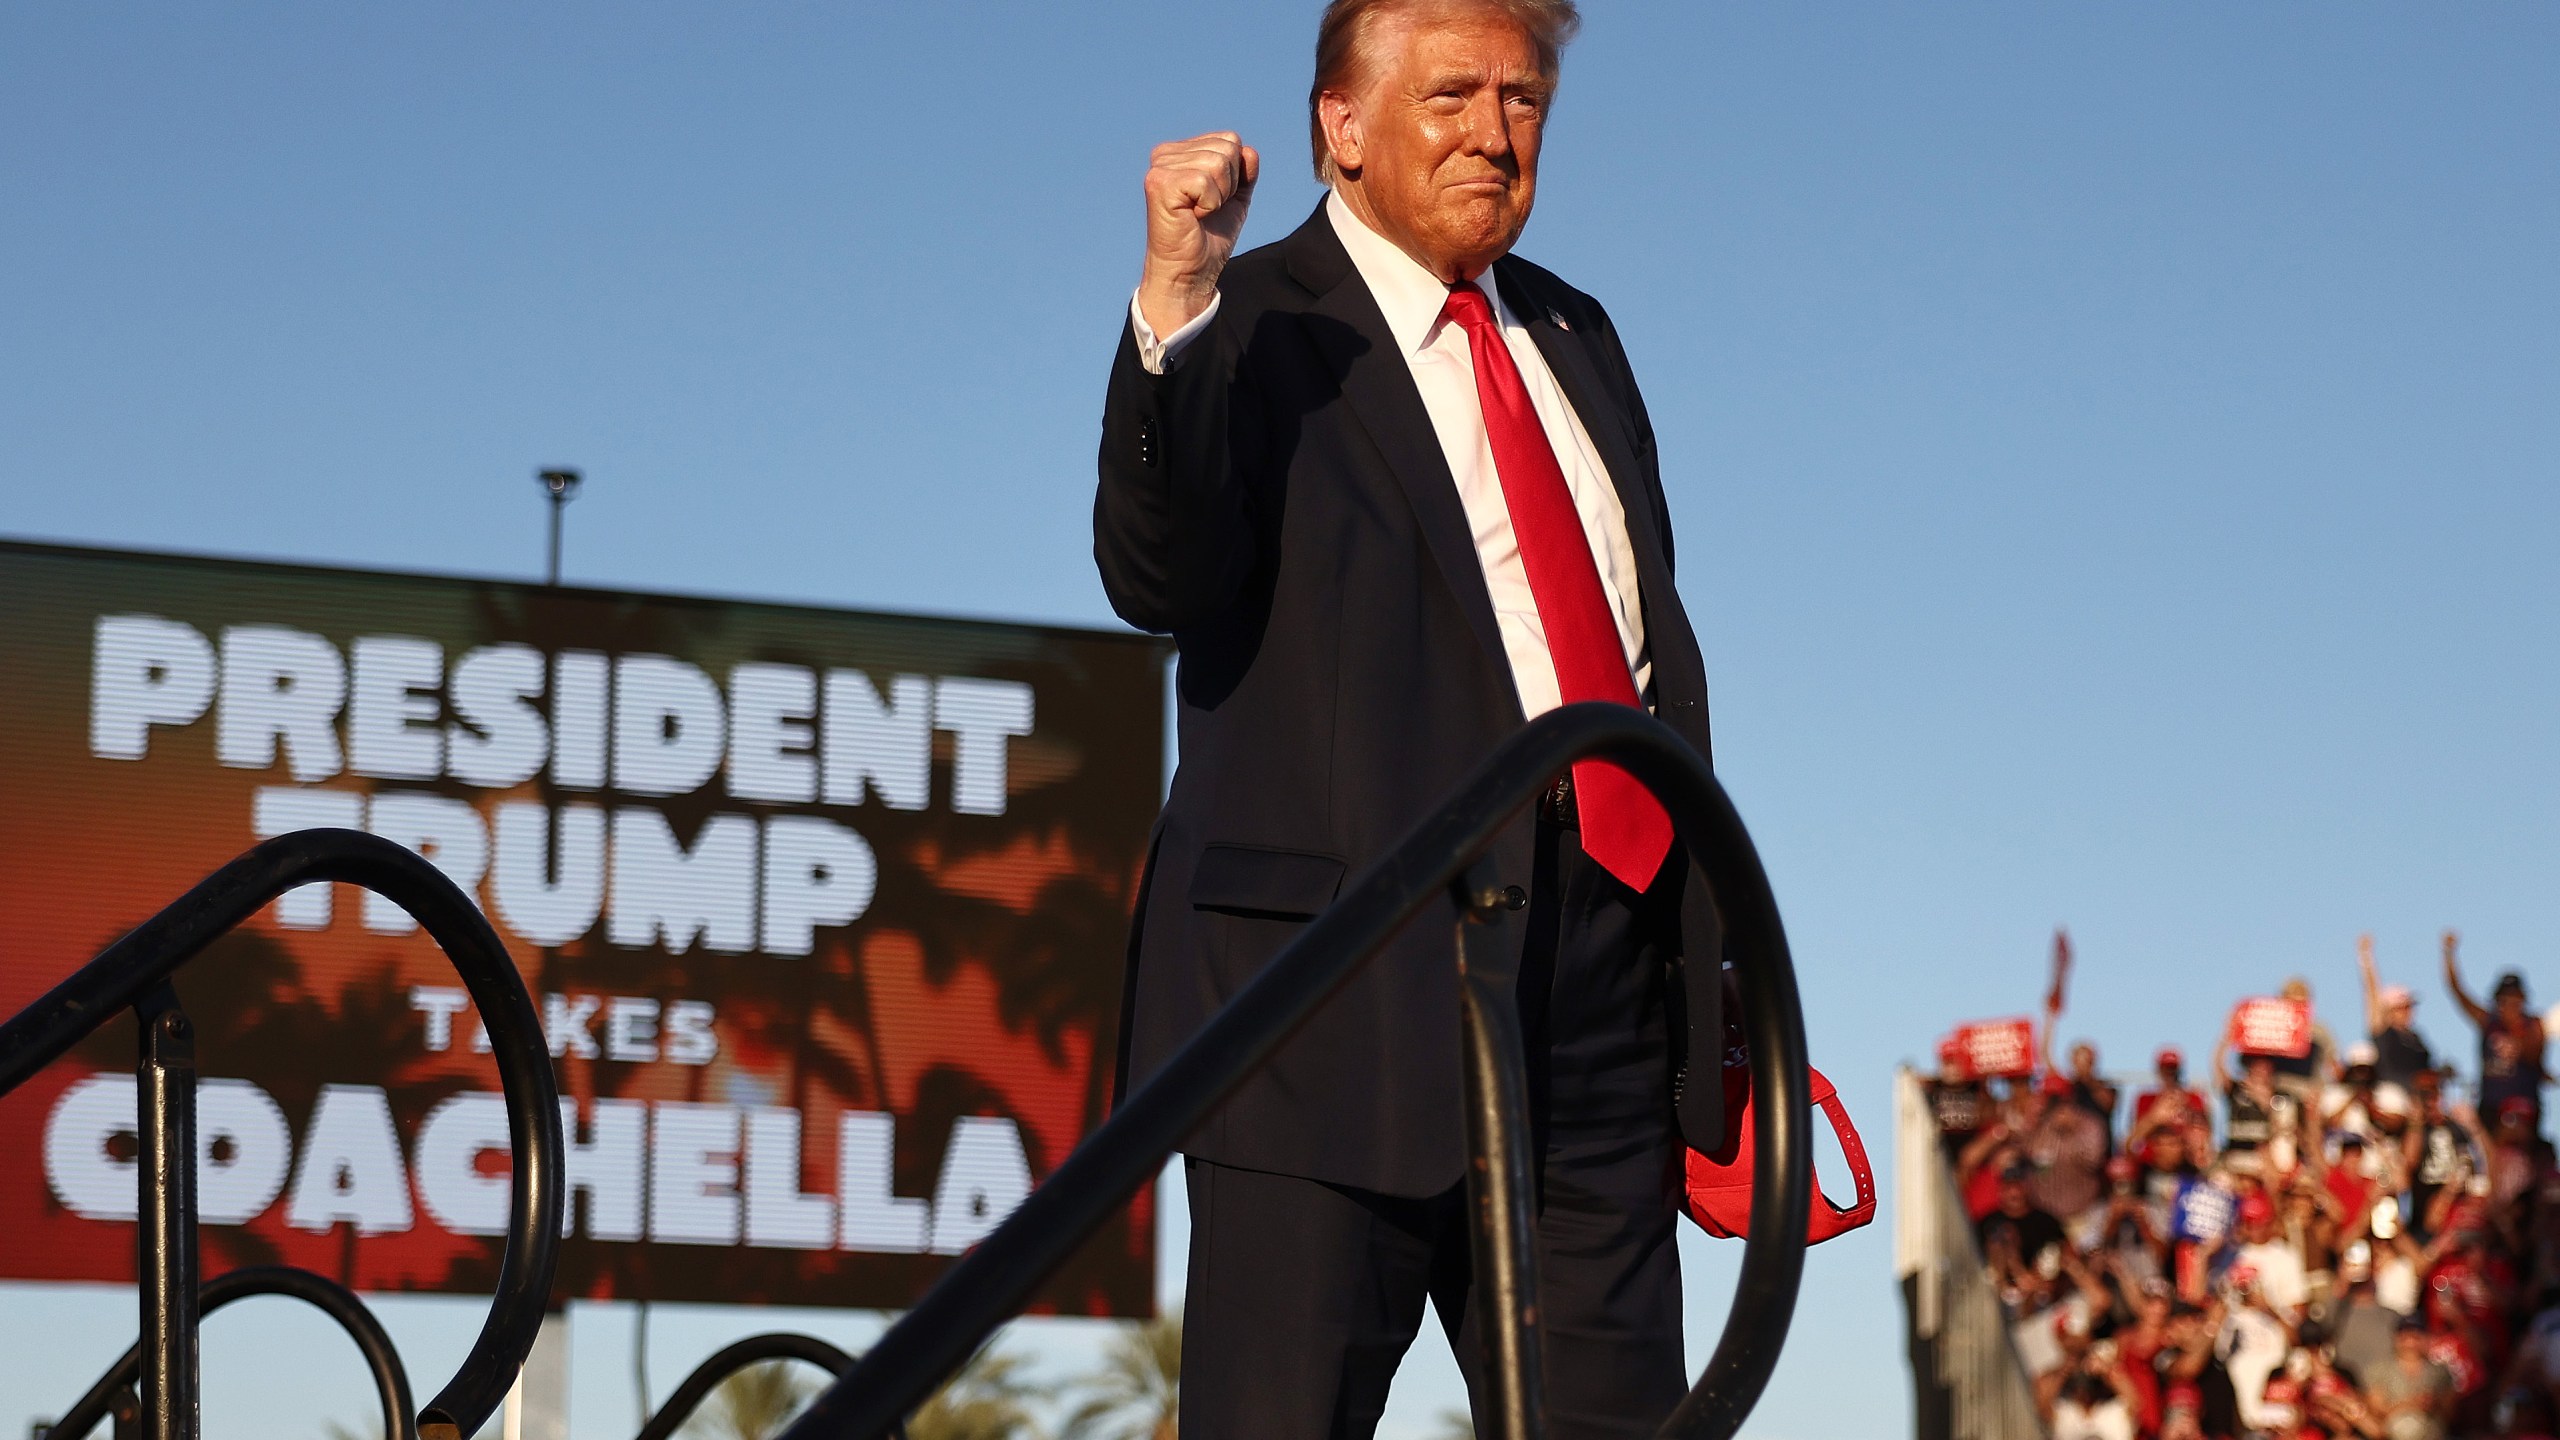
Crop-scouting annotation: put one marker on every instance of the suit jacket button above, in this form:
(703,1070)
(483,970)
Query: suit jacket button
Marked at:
(1147,443)
(1514,898)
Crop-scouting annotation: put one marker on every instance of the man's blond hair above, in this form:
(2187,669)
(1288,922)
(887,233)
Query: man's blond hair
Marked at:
(1343,32)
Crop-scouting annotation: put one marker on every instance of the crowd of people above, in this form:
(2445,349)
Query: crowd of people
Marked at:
(2349,1242)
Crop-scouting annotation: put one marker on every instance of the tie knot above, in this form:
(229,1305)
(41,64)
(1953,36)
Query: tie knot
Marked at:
(1468,307)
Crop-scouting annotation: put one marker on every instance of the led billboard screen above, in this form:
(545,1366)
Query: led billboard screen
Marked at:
(824,912)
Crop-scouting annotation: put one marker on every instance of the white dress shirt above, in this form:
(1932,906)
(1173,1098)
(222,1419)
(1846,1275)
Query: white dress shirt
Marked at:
(1444,370)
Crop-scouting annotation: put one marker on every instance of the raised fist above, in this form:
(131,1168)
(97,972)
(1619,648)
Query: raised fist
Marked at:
(1197,193)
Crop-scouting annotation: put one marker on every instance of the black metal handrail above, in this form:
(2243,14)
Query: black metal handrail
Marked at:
(994,1280)
(134,973)
(390,1378)
(729,1360)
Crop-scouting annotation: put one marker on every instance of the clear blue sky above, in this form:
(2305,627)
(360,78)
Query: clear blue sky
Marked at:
(2115,449)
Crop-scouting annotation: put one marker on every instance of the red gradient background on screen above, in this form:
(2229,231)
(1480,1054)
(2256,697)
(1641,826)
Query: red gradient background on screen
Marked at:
(978,981)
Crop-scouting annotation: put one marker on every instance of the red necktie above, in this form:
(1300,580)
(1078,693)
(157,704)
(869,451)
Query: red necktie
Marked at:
(1624,828)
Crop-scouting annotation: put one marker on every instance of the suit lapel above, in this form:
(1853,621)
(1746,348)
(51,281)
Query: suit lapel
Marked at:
(1569,359)
(1351,333)
(1568,355)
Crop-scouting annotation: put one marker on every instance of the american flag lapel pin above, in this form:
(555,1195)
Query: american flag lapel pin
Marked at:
(1556,318)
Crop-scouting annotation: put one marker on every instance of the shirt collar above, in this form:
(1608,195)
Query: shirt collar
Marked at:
(1410,296)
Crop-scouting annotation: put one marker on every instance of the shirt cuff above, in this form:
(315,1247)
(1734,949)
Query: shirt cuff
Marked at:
(1159,355)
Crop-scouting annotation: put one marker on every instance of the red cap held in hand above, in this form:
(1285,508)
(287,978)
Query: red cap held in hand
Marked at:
(1719,1185)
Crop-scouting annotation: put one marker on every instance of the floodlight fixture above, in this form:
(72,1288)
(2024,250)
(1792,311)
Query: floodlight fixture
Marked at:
(560,482)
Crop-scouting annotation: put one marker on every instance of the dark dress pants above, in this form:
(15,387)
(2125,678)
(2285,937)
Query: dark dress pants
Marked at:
(1303,1296)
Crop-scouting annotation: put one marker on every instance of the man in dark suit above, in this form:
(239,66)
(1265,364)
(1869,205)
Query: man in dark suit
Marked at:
(1393,491)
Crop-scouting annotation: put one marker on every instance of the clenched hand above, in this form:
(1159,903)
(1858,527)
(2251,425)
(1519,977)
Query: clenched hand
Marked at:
(1197,193)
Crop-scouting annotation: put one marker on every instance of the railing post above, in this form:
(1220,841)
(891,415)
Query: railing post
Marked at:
(994,1280)
(165,1240)
(132,974)
(1498,1180)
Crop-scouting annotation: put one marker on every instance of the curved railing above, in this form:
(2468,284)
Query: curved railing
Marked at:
(993,1281)
(390,1378)
(728,1361)
(134,973)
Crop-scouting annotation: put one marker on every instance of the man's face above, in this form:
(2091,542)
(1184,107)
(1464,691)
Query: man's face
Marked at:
(2169,1150)
(2084,1062)
(1441,139)
(2013,1197)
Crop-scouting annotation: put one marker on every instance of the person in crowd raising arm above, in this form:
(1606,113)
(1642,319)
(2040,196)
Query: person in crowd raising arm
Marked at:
(2390,1020)
(2511,1036)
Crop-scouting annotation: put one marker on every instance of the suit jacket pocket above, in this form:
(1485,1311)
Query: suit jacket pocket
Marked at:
(1251,880)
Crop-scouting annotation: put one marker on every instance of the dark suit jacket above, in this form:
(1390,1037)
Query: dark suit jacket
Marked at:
(1279,503)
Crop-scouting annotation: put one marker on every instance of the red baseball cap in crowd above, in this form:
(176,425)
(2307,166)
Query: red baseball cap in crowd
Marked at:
(2057,1084)
(2168,1056)
(2256,1211)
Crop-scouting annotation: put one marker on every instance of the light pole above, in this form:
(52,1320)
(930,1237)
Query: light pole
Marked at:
(561,484)
(537,1407)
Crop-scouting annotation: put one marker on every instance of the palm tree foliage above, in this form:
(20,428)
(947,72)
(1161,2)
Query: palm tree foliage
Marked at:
(753,1403)
(1137,1393)
(990,1399)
